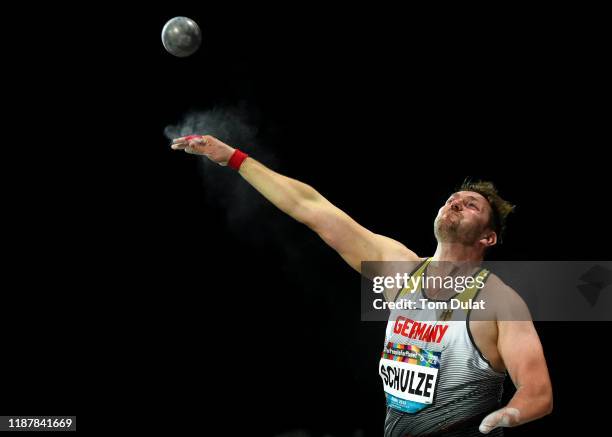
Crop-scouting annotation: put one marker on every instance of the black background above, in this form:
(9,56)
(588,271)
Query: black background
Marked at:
(141,286)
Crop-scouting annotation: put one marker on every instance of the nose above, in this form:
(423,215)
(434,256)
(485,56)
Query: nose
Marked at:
(456,205)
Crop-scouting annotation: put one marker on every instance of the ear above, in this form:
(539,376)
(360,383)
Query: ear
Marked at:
(489,239)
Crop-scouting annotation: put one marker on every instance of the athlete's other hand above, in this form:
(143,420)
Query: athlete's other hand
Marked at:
(215,150)
(504,417)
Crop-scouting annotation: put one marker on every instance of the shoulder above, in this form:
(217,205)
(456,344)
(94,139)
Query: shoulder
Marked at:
(503,300)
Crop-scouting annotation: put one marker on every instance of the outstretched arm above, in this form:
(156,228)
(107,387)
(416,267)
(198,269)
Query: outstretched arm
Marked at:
(352,241)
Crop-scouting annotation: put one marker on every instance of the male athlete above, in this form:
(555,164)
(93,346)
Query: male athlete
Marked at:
(441,376)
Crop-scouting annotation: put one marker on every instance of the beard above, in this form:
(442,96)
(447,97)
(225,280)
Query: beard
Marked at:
(449,227)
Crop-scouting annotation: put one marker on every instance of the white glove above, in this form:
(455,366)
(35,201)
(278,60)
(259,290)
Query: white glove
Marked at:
(503,417)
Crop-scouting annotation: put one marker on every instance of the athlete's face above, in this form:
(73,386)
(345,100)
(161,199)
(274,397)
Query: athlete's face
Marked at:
(464,218)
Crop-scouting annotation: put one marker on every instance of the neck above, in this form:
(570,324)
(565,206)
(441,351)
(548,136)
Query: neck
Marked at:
(457,252)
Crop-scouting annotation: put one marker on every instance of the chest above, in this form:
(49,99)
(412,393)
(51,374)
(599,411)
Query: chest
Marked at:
(435,336)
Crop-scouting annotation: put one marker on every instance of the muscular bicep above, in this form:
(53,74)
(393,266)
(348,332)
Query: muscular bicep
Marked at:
(522,352)
(523,356)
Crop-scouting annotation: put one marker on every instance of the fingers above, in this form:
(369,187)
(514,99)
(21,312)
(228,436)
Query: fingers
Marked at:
(504,417)
(186,138)
(490,422)
(195,150)
(199,138)
(178,146)
(190,141)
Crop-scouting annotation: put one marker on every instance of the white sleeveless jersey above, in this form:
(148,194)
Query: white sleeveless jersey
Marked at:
(433,373)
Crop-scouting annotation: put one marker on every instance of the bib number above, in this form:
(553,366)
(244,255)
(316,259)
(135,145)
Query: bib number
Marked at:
(410,376)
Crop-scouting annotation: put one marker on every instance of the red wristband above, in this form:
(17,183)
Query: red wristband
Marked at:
(236,160)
